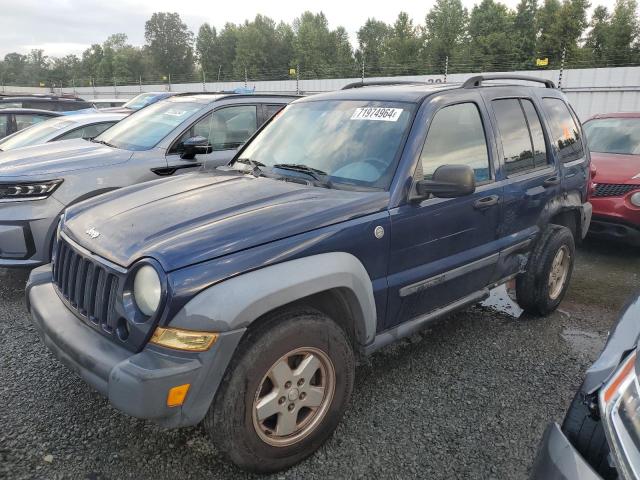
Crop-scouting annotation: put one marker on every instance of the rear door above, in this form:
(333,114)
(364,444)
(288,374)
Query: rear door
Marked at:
(530,174)
(444,249)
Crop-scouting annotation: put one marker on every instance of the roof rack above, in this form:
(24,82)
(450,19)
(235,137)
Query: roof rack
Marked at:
(377,83)
(476,81)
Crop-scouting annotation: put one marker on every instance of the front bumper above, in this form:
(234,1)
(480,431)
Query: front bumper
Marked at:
(611,228)
(135,383)
(557,459)
(26,231)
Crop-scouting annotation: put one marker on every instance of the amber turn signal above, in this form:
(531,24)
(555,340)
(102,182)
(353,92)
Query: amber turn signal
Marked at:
(176,395)
(179,339)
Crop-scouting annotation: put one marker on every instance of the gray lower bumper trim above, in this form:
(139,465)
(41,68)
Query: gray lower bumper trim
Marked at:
(558,460)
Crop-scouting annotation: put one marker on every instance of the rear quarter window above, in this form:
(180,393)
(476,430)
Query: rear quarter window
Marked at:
(564,130)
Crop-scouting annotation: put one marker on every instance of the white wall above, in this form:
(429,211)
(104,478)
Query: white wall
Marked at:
(591,90)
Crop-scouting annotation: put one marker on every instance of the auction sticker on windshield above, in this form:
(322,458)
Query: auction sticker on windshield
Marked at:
(377,113)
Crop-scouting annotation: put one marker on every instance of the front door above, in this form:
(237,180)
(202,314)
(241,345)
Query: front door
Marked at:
(444,249)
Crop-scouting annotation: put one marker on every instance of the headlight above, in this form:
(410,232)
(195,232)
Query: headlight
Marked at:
(635,199)
(147,290)
(13,192)
(620,407)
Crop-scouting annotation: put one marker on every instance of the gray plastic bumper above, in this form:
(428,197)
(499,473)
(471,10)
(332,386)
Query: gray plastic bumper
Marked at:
(558,460)
(137,384)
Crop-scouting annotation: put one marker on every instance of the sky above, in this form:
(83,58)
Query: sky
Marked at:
(62,27)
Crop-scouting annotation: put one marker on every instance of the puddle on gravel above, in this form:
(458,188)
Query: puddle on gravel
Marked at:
(583,342)
(501,299)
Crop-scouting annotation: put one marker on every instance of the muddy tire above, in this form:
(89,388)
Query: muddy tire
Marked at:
(541,288)
(284,393)
(586,434)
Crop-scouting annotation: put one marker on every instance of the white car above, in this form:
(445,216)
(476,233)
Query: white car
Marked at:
(86,125)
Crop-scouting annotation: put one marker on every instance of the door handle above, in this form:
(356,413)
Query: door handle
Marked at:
(486,202)
(551,182)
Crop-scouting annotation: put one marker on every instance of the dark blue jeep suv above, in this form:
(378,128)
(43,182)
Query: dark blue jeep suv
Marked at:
(241,298)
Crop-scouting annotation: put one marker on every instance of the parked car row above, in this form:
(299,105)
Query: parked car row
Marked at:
(224,258)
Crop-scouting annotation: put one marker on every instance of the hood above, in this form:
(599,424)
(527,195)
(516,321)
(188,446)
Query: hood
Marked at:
(59,157)
(616,168)
(198,217)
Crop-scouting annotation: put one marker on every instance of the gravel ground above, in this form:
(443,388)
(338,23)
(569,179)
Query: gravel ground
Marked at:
(468,398)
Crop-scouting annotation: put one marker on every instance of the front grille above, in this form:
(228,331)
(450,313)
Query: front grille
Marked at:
(613,189)
(88,286)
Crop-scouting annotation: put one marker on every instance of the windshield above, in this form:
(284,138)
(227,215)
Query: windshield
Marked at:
(614,135)
(36,134)
(139,101)
(145,128)
(353,142)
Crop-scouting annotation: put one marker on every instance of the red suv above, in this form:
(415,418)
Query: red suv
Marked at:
(614,141)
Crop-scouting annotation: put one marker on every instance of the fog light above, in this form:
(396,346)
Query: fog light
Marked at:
(183,339)
(176,395)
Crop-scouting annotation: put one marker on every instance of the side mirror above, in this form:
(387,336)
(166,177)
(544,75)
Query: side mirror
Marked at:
(448,181)
(194,145)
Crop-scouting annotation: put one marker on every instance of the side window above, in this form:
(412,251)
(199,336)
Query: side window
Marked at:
(225,129)
(4,125)
(540,158)
(271,110)
(523,149)
(565,132)
(24,121)
(92,131)
(232,126)
(456,137)
(75,133)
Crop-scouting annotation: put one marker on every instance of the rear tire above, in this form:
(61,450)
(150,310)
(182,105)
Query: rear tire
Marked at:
(587,435)
(284,392)
(541,288)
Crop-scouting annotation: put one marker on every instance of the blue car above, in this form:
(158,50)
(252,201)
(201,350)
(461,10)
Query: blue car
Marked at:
(241,298)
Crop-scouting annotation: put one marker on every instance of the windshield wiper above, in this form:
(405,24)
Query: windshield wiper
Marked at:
(255,166)
(318,175)
(103,143)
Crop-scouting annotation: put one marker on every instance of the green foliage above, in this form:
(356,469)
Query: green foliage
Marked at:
(490,37)
(170,43)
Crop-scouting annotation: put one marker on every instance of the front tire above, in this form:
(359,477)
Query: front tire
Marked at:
(284,393)
(541,288)
(587,435)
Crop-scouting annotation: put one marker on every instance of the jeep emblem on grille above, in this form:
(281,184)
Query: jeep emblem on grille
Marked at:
(92,232)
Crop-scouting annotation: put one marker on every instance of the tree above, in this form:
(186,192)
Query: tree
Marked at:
(226,43)
(170,44)
(561,27)
(524,33)
(444,31)
(372,38)
(596,41)
(14,66)
(621,41)
(402,47)
(313,43)
(344,61)
(207,51)
(259,49)
(490,35)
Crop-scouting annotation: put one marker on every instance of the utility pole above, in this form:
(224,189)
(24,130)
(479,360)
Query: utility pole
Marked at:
(140,83)
(298,79)
(204,81)
(115,87)
(219,72)
(246,79)
(363,69)
(93,86)
(73,83)
(564,53)
(446,68)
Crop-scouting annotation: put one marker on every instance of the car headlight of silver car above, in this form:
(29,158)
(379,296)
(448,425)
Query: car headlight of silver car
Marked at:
(620,409)
(15,192)
(147,289)
(635,199)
